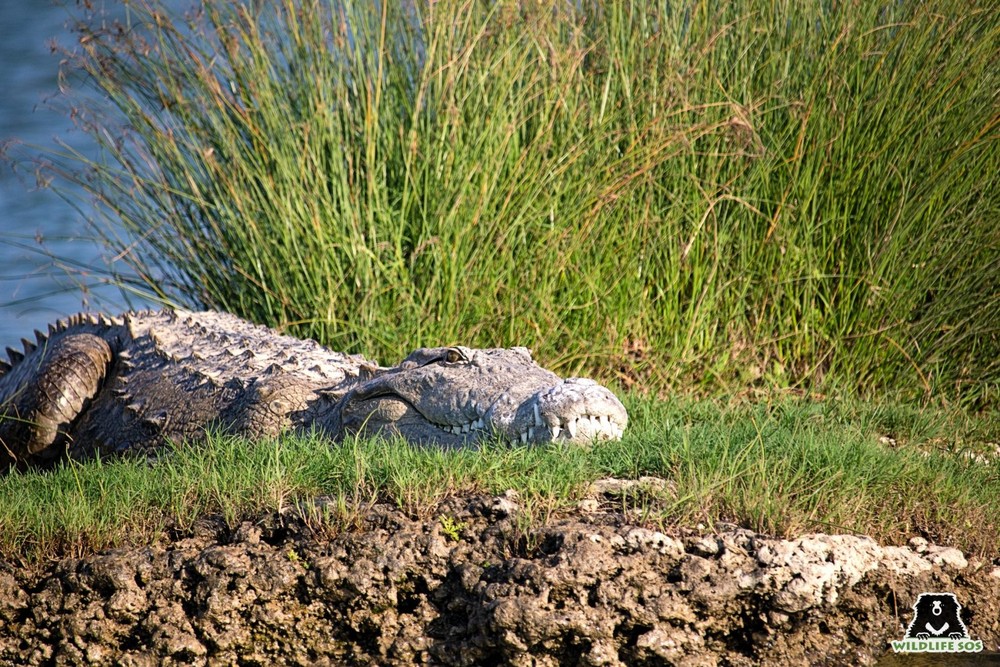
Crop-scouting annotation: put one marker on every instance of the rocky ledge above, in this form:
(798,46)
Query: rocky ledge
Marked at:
(475,585)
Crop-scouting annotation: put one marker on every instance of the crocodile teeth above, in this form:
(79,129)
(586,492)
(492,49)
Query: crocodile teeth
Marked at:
(466,428)
(594,426)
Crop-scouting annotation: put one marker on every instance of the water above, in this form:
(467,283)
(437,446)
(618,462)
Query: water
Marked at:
(33,289)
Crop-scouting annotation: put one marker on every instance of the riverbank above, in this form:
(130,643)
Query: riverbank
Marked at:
(785,531)
(475,585)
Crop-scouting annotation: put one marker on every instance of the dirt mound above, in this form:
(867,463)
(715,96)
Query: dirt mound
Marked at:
(472,587)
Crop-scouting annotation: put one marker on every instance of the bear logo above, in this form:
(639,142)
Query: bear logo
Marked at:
(937,616)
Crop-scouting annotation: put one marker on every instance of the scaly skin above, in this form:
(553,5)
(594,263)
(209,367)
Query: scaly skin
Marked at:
(99,385)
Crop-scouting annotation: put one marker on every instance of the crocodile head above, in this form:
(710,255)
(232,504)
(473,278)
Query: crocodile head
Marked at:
(456,396)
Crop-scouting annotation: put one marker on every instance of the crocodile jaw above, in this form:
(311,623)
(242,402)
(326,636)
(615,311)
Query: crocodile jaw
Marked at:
(486,394)
(576,410)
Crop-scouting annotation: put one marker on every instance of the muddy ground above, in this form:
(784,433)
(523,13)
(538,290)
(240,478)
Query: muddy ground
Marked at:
(472,586)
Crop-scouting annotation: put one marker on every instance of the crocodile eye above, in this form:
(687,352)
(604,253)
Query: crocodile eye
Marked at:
(453,356)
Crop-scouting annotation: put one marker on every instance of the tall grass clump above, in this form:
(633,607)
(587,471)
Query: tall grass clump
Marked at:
(673,194)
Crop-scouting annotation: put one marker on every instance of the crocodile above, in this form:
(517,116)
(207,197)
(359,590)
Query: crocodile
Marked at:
(97,385)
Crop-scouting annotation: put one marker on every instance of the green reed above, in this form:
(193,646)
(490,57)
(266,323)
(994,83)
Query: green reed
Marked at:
(667,194)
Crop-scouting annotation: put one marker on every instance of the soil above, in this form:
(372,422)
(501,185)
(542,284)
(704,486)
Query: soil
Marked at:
(476,585)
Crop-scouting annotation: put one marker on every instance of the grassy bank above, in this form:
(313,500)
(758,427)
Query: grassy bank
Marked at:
(786,468)
(669,194)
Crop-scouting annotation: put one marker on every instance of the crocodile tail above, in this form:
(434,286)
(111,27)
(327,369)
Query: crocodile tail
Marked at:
(97,324)
(44,388)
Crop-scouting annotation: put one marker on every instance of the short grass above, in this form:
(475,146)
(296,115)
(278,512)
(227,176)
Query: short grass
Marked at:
(782,468)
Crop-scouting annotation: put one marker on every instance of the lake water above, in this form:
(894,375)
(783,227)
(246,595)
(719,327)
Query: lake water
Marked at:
(33,289)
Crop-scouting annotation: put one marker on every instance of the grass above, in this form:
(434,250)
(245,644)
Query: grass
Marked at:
(784,468)
(678,196)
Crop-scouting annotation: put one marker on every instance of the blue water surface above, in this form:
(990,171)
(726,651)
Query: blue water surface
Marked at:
(35,289)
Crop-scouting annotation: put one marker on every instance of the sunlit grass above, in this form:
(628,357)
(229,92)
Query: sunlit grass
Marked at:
(674,195)
(783,469)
